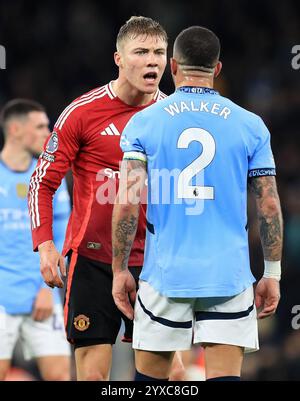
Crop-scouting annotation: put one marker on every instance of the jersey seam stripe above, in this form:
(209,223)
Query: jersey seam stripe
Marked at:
(34,186)
(30,201)
(36,205)
(33,183)
(96,92)
(73,262)
(43,173)
(78,105)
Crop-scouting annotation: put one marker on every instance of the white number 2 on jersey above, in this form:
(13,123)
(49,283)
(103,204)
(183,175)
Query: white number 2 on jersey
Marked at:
(208,153)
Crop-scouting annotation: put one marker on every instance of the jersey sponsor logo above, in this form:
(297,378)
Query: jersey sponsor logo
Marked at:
(52,144)
(110,130)
(22,190)
(81,322)
(14,220)
(48,157)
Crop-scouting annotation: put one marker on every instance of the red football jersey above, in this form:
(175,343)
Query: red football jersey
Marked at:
(86,139)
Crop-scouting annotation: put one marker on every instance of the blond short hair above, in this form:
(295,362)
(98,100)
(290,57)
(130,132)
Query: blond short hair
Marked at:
(137,26)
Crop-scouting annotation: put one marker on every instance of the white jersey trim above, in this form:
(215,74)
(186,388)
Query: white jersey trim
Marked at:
(34,193)
(111,92)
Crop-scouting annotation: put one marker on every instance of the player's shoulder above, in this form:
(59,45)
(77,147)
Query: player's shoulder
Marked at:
(85,103)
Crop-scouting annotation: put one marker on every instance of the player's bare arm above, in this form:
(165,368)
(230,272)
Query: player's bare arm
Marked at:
(124,225)
(126,211)
(269,216)
(271,234)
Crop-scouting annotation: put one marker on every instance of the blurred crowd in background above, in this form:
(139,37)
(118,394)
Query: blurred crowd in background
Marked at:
(57,50)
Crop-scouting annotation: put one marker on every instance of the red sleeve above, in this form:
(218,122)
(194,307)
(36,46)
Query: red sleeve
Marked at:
(60,150)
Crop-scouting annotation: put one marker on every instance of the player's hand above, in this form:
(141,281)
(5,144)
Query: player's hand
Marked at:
(267,296)
(43,305)
(124,291)
(50,258)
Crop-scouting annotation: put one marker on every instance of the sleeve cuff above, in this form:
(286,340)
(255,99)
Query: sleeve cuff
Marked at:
(40,235)
(261,172)
(135,156)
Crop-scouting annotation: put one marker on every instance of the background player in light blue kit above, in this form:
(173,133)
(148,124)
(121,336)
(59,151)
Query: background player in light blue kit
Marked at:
(196,283)
(30,310)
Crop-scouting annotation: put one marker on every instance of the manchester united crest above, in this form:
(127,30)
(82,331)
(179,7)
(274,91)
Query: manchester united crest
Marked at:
(81,322)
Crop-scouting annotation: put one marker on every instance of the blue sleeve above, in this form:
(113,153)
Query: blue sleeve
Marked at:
(132,139)
(61,213)
(261,161)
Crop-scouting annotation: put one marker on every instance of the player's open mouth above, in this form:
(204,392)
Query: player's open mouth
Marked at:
(150,76)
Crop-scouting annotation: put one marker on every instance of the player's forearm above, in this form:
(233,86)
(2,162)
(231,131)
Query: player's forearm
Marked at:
(269,217)
(124,225)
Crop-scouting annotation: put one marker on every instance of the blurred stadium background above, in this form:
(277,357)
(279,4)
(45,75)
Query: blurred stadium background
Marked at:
(56,50)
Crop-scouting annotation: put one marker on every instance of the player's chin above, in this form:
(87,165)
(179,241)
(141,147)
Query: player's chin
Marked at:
(150,87)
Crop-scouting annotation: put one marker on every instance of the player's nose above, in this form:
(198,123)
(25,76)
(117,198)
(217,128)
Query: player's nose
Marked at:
(152,60)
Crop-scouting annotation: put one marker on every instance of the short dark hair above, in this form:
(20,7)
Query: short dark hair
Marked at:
(197,47)
(19,108)
(136,26)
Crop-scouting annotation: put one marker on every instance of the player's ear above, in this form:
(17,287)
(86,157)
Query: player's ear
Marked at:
(173,65)
(118,59)
(218,69)
(14,129)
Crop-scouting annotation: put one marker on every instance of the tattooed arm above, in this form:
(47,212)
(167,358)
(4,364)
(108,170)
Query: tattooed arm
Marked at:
(124,225)
(267,293)
(269,216)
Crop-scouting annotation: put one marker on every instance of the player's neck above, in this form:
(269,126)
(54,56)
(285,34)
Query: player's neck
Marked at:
(130,95)
(195,80)
(16,158)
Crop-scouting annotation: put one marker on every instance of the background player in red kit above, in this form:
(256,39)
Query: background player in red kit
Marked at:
(86,138)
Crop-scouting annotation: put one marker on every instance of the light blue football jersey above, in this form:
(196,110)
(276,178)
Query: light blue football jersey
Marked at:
(20,275)
(200,149)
